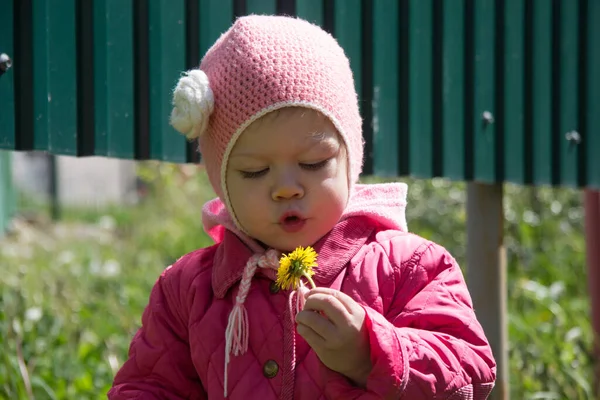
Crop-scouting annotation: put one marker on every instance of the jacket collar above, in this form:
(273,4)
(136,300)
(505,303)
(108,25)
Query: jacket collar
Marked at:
(334,251)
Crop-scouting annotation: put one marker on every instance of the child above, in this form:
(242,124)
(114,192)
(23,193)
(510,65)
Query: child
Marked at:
(276,115)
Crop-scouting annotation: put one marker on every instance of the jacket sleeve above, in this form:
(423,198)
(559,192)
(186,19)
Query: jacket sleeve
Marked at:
(429,344)
(159,364)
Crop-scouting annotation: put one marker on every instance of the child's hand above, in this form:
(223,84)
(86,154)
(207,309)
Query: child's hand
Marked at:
(332,323)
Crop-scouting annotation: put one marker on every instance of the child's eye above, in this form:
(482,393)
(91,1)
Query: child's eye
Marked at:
(316,166)
(254,174)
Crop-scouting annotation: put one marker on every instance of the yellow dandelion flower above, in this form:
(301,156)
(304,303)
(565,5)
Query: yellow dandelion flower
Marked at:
(294,266)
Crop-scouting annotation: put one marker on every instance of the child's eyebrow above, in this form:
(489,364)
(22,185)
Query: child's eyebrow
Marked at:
(329,143)
(248,155)
(325,140)
(322,141)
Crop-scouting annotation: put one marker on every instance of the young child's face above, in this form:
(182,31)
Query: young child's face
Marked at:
(287,178)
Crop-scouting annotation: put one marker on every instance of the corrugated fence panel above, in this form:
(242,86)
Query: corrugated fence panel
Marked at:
(261,7)
(484,108)
(490,90)
(101,85)
(385,88)
(542,94)
(39,87)
(348,30)
(166,62)
(84,25)
(215,18)
(311,10)
(23,75)
(113,78)
(7,99)
(592,113)
(345,22)
(420,87)
(513,118)
(566,84)
(62,78)
(453,78)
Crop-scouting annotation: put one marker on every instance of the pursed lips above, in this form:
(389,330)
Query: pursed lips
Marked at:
(292,221)
(291,215)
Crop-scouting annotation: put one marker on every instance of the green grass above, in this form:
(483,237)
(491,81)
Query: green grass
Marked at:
(72,293)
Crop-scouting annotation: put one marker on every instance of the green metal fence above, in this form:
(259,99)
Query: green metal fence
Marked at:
(486,90)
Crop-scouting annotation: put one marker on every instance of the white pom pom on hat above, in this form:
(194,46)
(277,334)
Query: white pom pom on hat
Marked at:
(193,103)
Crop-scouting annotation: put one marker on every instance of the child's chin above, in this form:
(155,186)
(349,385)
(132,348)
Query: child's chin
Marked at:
(287,248)
(290,246)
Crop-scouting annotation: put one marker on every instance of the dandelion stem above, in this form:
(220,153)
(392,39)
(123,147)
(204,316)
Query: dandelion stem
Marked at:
(312,283)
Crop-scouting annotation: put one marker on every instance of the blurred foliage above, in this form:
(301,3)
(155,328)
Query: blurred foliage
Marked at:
(72,293)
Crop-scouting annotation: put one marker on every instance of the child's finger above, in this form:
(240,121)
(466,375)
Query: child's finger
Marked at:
(347,301)
(318,323)
(330,306)
(314,340)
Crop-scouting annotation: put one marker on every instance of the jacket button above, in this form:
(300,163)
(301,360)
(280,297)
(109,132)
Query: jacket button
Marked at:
(270,369)
(274,288)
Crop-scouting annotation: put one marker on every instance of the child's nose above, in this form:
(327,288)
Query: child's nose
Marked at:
(287,187)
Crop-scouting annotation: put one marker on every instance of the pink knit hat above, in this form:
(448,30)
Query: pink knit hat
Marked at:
(261,64)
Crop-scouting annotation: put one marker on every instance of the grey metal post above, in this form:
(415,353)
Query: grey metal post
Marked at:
(486,272)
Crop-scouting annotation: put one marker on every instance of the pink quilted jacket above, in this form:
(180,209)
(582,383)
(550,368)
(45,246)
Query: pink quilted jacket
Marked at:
(425,339)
